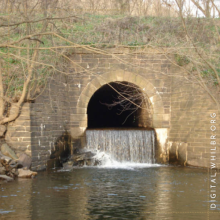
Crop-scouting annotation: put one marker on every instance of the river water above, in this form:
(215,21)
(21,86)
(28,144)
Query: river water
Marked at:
(127,184)
(128,191)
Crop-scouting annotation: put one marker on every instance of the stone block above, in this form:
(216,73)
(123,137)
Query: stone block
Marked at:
(16,128)
(158,108)
(138,80)
(96,82)
(102,79)
(157,124)
(156,99)
(19,146)
(198,162)
(80,111)
(111,76)
(174,138)
(89,90)
(119,75)
(24,117)
(193,155)
(165,124)
(17,134)
(84,98)
(83,123)
(78,117)
(130,77)
(27,139)
(157,118)
(97,55)
(82,103)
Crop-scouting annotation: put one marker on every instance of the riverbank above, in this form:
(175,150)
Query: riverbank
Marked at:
(12,167)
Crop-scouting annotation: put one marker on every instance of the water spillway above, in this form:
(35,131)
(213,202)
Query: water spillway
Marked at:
(123,145)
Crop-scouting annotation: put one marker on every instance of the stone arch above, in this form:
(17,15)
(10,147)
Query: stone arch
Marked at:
(158,116)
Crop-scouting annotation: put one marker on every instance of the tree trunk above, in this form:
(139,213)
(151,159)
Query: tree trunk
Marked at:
(205,11)
(18,105)
(1,94)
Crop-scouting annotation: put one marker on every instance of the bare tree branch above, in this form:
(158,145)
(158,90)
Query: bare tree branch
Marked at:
(1,93)
(39,20)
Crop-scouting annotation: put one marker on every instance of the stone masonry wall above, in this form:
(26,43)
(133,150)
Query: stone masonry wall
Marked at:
(49,121)
(147,71)
(180,109)
(183,122)
(190,133)
(18,134)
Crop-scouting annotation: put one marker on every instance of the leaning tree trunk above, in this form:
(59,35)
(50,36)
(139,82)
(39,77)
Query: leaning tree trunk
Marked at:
(1,94)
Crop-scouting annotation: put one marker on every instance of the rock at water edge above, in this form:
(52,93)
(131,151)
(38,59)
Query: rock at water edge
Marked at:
(7,178)
(25,160)
(26,173)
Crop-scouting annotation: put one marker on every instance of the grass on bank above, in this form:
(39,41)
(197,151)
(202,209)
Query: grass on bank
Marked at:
(105,31)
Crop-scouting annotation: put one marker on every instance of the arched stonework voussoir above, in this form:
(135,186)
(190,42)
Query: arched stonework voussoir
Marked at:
(80,116)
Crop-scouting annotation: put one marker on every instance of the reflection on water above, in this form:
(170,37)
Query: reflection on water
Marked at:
(92,193)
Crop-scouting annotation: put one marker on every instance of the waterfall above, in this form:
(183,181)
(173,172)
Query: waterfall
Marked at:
(136,146)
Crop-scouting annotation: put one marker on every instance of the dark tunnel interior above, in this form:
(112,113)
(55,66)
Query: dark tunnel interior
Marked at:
(108,109)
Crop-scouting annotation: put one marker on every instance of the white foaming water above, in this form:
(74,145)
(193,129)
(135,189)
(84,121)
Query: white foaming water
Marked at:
(122,148)
(105,161)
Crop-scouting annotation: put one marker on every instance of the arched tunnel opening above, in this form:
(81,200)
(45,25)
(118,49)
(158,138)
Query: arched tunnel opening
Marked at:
(119,105)
(119,127)
(119,124)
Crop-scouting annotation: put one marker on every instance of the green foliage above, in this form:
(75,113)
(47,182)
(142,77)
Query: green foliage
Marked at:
(11,60)
(181,59)
(210,74)
(13,84)
(135,43)
(102,31)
